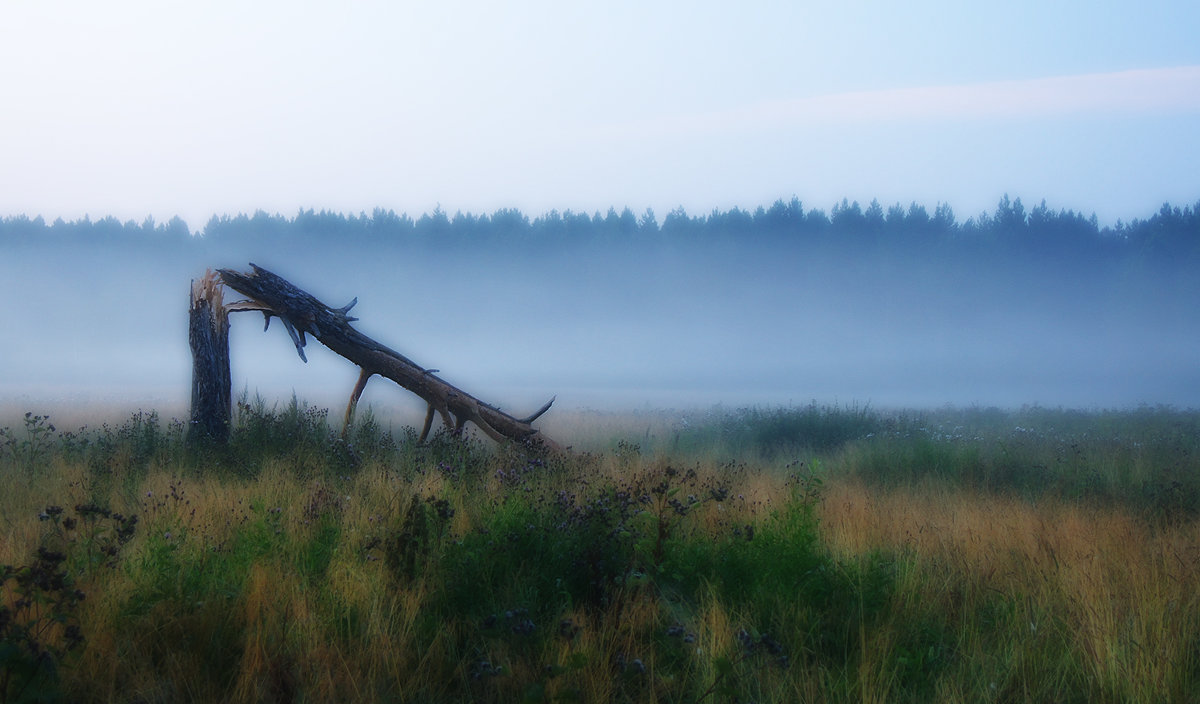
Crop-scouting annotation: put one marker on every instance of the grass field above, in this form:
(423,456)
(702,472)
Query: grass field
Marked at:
(815,553)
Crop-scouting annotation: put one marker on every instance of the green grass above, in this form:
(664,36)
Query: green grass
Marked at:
(1146,458)
(812,553)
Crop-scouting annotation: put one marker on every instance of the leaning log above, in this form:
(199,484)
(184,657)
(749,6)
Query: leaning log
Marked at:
(208,337)
(302,314)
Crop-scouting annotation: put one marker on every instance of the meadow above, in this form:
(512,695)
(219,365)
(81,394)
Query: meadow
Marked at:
(799,554)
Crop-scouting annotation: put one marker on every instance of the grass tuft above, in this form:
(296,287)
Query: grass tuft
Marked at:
(808,554)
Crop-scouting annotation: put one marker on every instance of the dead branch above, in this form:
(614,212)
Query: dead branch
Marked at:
(302,314)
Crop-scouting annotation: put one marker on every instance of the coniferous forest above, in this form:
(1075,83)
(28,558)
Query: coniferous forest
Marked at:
(1170,234)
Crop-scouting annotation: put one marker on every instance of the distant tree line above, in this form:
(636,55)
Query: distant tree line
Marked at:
(1171,233)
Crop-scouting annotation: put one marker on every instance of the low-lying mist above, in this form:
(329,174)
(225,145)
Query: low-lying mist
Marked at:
(618,327)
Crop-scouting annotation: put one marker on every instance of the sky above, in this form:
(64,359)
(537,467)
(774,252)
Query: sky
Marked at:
(161,108)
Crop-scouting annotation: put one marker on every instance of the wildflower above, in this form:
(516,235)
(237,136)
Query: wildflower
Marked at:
(746,640)
(50,556)
(483,668)
(524,627)
(567,629)
(73,636)
(633,667)
(773,646)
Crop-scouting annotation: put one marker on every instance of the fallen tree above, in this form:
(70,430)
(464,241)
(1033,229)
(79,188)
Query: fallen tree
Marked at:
(302,314)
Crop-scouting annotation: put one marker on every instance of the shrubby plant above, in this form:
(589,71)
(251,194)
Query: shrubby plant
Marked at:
(39,600)
(31,447)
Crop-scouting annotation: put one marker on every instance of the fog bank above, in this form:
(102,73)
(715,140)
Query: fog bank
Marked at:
(670,325)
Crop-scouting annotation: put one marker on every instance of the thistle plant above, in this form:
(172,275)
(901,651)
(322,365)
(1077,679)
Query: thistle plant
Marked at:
(38,624)
(30,449)
(755,651)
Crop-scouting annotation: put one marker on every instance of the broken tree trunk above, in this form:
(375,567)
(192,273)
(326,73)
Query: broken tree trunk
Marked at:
(208,336)
(302,314)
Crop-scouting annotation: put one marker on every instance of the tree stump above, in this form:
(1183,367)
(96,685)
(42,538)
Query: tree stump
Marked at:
(208,336)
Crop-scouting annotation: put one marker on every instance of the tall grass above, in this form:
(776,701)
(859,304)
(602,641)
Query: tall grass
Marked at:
(1049,601)
(1147,459)
(810,554)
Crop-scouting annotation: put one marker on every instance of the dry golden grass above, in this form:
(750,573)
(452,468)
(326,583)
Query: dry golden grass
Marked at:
(1122,593)
(217,598)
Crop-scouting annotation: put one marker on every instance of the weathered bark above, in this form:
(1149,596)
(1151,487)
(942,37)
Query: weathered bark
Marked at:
(303,314)
(208,336)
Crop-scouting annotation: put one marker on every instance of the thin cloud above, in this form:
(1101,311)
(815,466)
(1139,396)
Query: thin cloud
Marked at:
(1143,91)
(1138,92)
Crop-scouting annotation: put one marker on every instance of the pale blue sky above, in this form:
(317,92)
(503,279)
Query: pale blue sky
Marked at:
(195,108)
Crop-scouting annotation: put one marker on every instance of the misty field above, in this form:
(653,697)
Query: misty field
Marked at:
(807,553)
